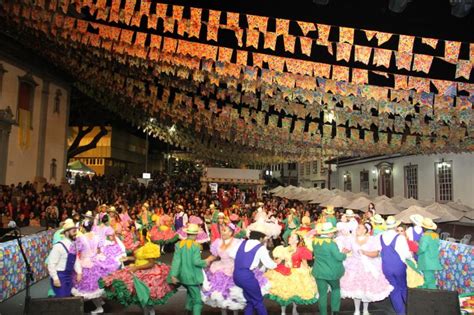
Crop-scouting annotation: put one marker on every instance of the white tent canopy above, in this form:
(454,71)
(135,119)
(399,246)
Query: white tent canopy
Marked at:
(337,202)
(361,203)
(386,207)
(404,216)
(444,212)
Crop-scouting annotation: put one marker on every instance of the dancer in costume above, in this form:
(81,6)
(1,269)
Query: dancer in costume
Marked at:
(428,253)
(352,223)
(414,233)
(240,231)
(248,256)
(328,216)
(163,233)
(378,225)
(62,262)
(125,285)
(144,216)
(305,226)
(394,253)
(131,240)
(363,280)
(291,282)
(292,223)
(216,227)
(186,269)
(201,237)
(221,290)
(180,219)
(272,228)
(328,267)
(93,267)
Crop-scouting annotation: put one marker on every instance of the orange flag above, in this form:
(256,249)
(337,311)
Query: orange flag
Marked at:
(306,45)
(270,40)
(306,27)
(289,41)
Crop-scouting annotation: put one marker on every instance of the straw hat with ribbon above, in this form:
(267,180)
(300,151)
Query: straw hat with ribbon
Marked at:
(391,222)
(329,210)
(68,225)
(377,219)
(325,228)
(428,224)
(349,213)
(417,219)
(192,229)
(258,227)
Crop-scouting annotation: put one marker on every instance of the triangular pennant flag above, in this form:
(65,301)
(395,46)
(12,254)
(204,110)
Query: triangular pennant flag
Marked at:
(306,45)
(382,57)
(383,37)
(232,20)
(322,70)
(471,52)
(212,32)
(161,9)
(405,43)
(177,12)
(451,51)
(403,60)
(282,26)
(170,44)
(343,51)
(330,49)
(270,40)
(306,27)
(256,57)
(445,87)
(346,35)
(362,54)
(242,58)
(239,34)
(422,63)
(419,84)
(370,34)
(257,22)
(401,82)
(360,76)
(194,23)
(289,42)
(432,42)
(214,17)
(463,69)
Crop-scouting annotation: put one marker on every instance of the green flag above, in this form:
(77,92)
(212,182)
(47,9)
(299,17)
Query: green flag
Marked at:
(143,291)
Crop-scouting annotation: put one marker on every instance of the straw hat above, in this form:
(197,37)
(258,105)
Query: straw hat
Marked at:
(180,207)
(293,210)
(391,222)
(68,225)
(417,219)
(89,215)
(377,219)
(112,209)
(427,223)
(192,229)
(221,215)
(306,220)
(329,210)
(350,213)
(258,227)
(212,206)
(325,228)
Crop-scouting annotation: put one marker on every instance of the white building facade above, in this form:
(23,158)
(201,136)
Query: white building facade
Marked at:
(34,113)
(443,177)
(306,174)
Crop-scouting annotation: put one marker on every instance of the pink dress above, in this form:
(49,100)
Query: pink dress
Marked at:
(363,278)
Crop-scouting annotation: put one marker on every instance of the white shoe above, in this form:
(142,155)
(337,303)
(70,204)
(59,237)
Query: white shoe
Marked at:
(98,310)
(357,313)
(366,313)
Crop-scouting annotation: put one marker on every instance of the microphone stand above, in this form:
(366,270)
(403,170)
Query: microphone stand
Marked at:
(29,273)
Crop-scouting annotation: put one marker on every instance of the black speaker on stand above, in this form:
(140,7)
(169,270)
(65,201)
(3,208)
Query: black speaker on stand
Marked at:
(432,302)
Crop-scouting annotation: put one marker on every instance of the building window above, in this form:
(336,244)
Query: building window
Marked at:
(411,181)
(315,167)
(308,168)
(53,169)
(444,181)
(26,96)
(301,167)
(2,72)
(347,182)
(57,101)
(292,166)
(364,181)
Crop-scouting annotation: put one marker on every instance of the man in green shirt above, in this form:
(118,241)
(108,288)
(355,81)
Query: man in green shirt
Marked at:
(186,269)
(428,253)
(327,268)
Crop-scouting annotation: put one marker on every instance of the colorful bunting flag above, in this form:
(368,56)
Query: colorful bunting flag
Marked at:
(214,18)
(282,26)
(346,35)
(225,54)
(419,84)
(422,63)
(343,51)
(232,20)
(405,43)
(306,27)
(289,42)
(362,54)
(463,69)
(360,76)
(403,60)
(430,42)
(306,45)
(323,34)
(340,73)
(370,34)
(270,40)
(451,51)
(252,38)
(445,87)
(382,37)
(322,70)
(257,22)
(382,57)
(242,56)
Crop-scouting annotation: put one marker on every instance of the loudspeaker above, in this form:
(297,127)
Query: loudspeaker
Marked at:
(432,302)
(57,306)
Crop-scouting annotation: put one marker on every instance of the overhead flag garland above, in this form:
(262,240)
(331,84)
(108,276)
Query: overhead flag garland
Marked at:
(271,105)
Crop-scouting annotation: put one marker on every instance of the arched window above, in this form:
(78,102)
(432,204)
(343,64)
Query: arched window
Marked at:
(385,170)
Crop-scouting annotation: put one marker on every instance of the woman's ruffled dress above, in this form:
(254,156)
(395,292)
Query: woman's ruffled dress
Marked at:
(120,286)
(220,290)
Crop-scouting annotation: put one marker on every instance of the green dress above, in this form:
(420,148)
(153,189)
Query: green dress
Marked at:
(288,230)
